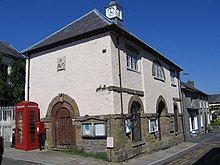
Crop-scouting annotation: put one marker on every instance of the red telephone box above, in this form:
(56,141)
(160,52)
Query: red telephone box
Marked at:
(26,136)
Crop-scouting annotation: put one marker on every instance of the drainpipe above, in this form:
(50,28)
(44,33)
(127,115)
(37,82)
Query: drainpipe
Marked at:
(121,97)
(182,109)
(28,78)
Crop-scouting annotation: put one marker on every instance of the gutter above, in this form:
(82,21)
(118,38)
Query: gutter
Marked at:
(28,77)
(182,109)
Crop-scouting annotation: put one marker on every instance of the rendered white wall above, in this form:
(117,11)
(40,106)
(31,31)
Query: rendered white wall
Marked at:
(87,67)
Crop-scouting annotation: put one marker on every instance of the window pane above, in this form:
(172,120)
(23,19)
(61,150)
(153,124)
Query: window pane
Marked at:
(132,60)
(87,129)
(100,129)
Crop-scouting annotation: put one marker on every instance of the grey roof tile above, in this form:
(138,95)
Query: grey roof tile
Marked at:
(92,21)
(183,84)
(6,48)
(215,98)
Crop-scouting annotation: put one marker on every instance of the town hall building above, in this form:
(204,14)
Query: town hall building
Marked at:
(103,90)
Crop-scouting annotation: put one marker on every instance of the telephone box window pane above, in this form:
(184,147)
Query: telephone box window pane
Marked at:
(20,127)
(100,129)
(31,115)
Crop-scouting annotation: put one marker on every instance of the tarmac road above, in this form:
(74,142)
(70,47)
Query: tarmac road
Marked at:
(7,161)
(207,152)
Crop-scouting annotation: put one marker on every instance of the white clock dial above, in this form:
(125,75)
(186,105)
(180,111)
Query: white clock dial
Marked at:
(111,11)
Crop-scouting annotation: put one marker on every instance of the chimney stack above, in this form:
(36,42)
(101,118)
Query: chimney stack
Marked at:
(191,83)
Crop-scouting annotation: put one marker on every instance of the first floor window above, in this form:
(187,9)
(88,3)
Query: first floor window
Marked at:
(158,71)
(132,59)
(172,77)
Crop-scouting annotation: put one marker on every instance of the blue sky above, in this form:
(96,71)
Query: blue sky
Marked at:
(185,31)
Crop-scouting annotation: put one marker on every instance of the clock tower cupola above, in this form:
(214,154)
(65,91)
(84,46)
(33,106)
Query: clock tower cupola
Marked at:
(114,12)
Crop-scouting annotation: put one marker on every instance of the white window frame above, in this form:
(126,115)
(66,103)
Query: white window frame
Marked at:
(132,60)
(207,104)
(87,129)
(201,120)
(173,76)
(158,71)
(200,103)
(94,130)
(99,129)
(153,125)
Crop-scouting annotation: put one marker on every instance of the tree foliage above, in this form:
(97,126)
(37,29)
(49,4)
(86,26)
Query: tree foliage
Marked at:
(17,82)
(13,91)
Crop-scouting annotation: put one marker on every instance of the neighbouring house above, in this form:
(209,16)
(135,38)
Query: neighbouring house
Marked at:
(195,109)
(101,89)
(8,54)
(214,105)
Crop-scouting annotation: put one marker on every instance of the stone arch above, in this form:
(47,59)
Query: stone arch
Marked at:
(62,98)
(161,106)
(62,101)
(138,100)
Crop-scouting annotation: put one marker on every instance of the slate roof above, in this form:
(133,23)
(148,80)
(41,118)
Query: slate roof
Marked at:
(187,86)
(6,48)
(88,25)
(215,98)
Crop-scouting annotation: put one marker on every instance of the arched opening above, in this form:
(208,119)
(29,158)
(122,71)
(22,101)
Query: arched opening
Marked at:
(161,106)
(176,118)
(136,121)
(135,109)
(61,132)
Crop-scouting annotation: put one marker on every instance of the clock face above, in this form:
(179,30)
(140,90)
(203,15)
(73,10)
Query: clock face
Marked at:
(111,11)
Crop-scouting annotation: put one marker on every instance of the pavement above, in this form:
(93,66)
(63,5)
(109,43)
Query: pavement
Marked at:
(49,157)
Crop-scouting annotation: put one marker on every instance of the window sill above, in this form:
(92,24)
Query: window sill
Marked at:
(137,143)
(159,79)
(133,70)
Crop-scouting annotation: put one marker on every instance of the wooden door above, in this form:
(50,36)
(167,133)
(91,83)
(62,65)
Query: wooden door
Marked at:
(63,129)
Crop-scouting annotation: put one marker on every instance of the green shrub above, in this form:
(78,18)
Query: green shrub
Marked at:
(100,156)
(215,121)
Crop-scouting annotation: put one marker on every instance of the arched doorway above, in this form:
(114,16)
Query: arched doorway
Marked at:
(161,112)
(136,121)
(176,114)
(135,109)
(63,131)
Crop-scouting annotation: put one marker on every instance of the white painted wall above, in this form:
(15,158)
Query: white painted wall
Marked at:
(87,67)
(144,80)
